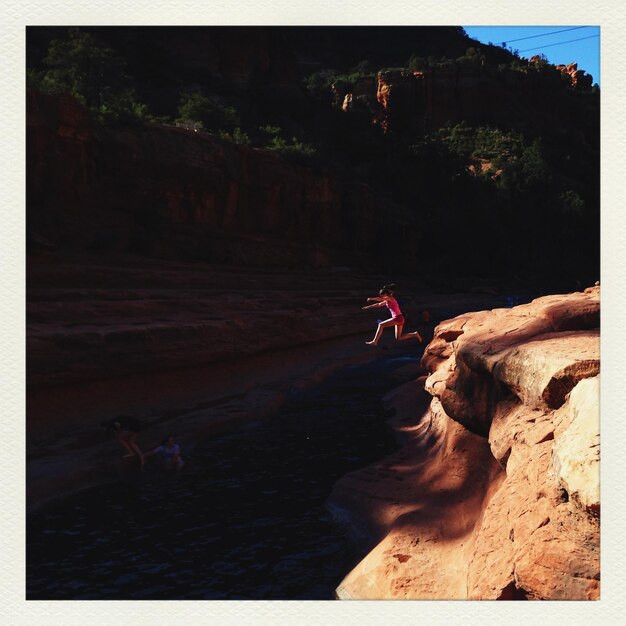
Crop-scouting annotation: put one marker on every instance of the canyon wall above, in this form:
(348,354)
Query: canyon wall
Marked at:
(175,193)
(495,492)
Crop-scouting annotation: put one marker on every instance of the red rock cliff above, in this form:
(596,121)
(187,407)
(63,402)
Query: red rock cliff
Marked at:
(172,192)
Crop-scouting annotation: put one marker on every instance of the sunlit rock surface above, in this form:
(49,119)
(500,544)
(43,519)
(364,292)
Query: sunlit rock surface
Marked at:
(495,492)
(576,454)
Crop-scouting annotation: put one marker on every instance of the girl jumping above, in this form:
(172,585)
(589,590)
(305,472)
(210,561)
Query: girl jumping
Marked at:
(397,319)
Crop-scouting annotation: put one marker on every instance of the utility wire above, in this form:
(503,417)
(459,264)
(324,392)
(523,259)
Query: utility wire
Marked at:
(559,43)
(554,32)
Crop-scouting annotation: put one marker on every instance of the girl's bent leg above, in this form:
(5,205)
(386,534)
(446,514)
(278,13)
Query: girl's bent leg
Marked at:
(401,337)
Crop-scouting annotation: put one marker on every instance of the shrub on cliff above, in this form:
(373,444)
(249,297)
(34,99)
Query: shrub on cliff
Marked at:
(300,153)
(296,151)
(324,80)
(209,113)
(472,57)
(525,172)
(238,136)
(529,176)
(417,63)
(319,82)
(481,142)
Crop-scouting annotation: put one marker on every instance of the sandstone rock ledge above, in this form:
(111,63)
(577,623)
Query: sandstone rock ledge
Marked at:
(495,494)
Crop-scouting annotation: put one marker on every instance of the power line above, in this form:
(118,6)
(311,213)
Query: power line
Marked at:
(554,32)
(559,43)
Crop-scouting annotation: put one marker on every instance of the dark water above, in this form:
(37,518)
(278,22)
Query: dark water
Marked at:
(245,520)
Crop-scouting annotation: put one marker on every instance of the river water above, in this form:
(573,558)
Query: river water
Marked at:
(247,518)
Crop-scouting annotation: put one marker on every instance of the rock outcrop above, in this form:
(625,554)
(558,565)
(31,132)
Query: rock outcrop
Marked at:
(578,78)
(495,494)
(414,102)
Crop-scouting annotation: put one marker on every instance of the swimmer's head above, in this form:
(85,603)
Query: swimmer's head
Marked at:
(384,292)
(168,440)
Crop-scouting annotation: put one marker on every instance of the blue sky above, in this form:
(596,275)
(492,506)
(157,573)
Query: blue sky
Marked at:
(585,51)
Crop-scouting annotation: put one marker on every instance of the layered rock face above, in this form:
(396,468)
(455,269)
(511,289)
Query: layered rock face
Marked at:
(176,193)
(91,317)
(495,494)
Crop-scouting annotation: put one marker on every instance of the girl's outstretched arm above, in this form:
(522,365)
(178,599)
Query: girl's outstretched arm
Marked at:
(373,306)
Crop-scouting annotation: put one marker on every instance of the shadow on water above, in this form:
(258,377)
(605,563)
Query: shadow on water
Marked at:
(245,520)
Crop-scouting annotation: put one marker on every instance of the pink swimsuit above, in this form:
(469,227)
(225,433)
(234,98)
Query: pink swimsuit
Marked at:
(393,306)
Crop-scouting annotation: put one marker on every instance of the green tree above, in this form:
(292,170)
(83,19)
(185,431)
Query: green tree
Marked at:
(238,136)
(319,82)
(296,150)
(205,112)
(417,63)
(95,75)
(472,56)
(535,175)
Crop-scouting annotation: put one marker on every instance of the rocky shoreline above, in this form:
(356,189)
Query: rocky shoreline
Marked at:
(495,492)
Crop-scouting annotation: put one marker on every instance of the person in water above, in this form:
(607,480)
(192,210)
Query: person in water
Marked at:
(169,451)
(385,298)
(126,429)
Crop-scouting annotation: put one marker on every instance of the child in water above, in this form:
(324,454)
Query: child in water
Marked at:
(385,298)
(169,451)
(126,428)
